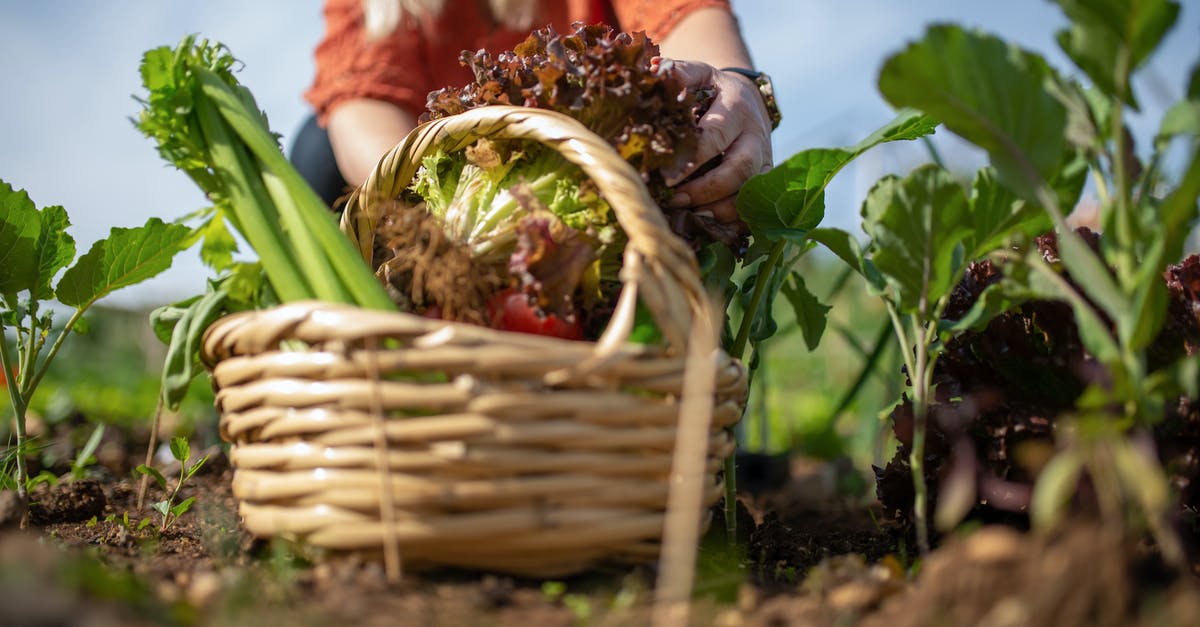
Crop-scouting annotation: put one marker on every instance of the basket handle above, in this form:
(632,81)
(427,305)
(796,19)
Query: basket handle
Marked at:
(658,266)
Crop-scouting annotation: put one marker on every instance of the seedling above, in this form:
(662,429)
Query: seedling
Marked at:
(168,508)
(34,248)
(86,457)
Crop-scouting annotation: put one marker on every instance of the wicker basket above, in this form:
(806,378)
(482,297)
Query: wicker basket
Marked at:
(457,445)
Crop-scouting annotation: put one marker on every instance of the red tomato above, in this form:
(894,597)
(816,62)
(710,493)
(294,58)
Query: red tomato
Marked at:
(510,310)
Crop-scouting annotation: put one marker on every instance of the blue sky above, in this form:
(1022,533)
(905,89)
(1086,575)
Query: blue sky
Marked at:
(70,72)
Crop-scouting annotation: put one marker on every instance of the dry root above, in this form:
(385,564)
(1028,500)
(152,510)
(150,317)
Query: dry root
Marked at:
(423,269)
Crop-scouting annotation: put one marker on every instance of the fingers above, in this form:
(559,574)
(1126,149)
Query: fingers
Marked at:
(724,210)
(693,74)
(746,156)
(737,129)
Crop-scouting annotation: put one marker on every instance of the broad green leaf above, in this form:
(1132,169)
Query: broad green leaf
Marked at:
(1102,31)
(20,227)
(997,214)
(126,257)
(162,507)
(909,124)
(842,244)
(789,200)
(1055,486)
(55,249)
(811,314)
(993,94)
(848,249)
(917,226)
(154,474)
(219,245)
(180,449)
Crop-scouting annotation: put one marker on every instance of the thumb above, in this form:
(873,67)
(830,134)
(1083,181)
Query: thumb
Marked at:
(694,74)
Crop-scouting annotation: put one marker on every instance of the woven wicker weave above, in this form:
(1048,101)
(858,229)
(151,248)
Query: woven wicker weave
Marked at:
(499,451)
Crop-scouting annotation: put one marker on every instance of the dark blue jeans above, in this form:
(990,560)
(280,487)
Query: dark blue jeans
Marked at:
(312,155)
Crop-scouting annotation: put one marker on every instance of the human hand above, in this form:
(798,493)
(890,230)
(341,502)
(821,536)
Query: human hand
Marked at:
(737,128)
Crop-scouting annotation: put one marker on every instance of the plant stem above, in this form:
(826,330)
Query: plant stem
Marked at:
(738,351)
(765,271)
(58,341)
(18,405)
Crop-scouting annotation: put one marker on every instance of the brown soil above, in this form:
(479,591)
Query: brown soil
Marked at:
(810,558)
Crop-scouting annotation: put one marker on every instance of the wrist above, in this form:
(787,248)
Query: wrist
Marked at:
(766,90)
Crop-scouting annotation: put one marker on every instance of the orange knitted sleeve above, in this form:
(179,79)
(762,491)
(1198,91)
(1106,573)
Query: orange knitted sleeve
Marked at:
(350,67)
(658,17)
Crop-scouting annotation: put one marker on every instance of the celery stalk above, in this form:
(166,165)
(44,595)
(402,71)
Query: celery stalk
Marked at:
(306,218)
(252,205)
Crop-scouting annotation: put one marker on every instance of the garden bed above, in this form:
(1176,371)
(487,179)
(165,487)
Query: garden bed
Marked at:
(809,556)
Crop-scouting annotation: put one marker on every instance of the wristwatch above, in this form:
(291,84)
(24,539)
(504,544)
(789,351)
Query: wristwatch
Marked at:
(765,89)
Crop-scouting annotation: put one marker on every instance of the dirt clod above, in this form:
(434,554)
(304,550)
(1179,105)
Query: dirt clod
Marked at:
(66,502)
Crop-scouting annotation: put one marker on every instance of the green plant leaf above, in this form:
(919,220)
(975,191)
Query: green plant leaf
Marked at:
(997,298)
(848,249)
(20,227)
(789,200)
(162,507)
(1045,282)
(998,214)
(187,323)
(183,506)
(993,94)
(811,314)
(55,249)
(1181,119)
(1142,478)
(917,226)
(1054,488)
(191,470)
(143,523)
(84,458)
(1101,30)
(154,474)
(180,449)
(126,257)
(218,246)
